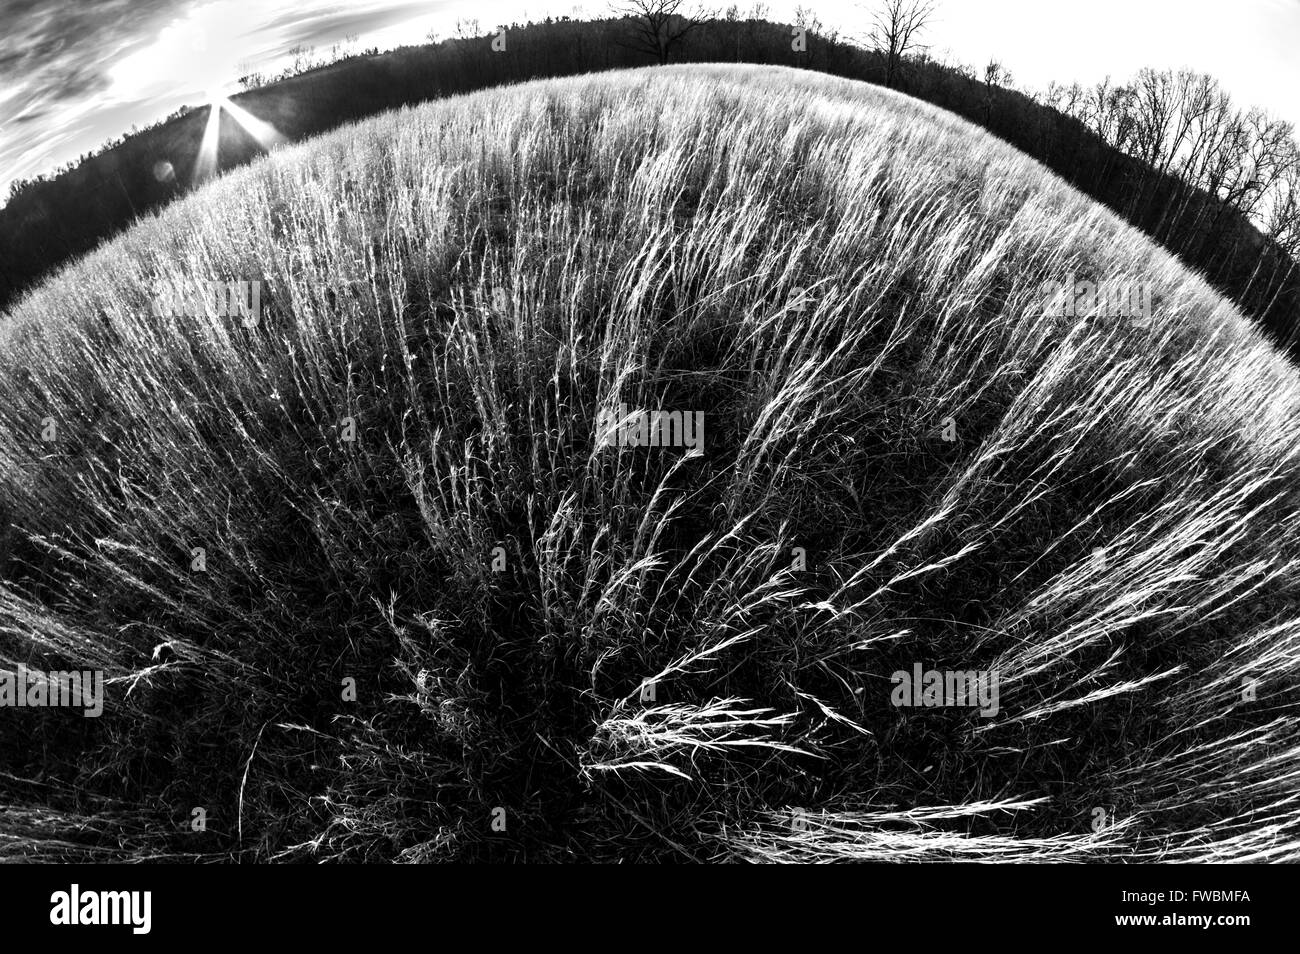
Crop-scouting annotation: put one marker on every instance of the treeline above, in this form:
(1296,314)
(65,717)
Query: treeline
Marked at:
(1183,123)
(1169,152)
(1217,185)
(1223,160)
(20,186)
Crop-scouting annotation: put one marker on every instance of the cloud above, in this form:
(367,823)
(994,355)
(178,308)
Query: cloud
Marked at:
(328,24)
(62,51)
(73,76)
(192,52)
(54,59)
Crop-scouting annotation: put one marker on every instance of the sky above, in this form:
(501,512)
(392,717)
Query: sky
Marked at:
(75,74)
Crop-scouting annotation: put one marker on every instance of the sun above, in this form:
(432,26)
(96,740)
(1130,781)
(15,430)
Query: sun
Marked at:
(266,135)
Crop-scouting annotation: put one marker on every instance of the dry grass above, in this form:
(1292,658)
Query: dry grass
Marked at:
(473,281)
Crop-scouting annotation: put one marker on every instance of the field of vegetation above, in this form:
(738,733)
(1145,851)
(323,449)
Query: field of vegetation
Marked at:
(474,632)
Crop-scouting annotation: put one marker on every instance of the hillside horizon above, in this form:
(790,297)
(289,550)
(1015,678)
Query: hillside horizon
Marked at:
(38,229)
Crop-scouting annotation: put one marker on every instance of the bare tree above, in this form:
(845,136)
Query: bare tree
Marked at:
(658,25)
(1155,107)
(995,76)
(1282,222)
(1065,99)
(805,18)
(1106,109)
(894,29)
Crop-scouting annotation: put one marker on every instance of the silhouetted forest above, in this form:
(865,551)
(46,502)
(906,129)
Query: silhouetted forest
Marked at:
(1098,140)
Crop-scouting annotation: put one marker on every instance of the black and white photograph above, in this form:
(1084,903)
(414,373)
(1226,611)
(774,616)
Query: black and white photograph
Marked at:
(650,432)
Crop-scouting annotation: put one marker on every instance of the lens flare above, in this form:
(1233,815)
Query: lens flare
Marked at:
(263,133)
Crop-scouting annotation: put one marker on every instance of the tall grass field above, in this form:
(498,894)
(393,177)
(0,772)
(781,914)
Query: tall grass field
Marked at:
(601,460)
